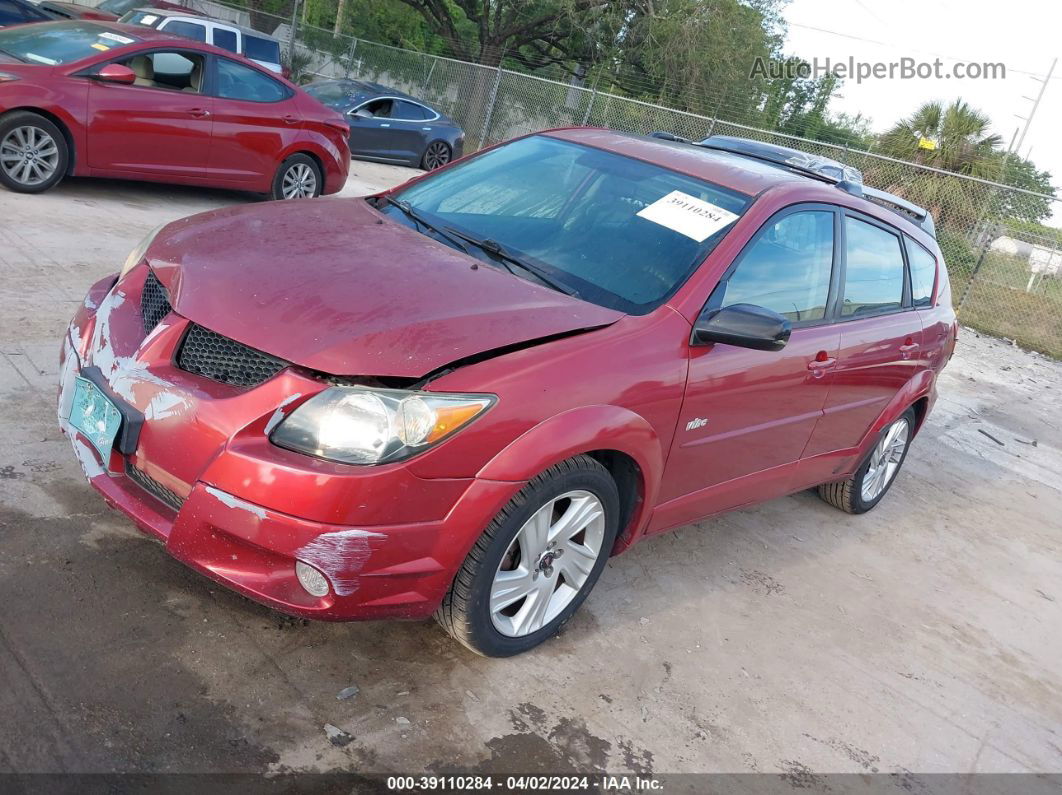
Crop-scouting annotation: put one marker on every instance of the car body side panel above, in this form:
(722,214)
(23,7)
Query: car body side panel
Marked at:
(151,131)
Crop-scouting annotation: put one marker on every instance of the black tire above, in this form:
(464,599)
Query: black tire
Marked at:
(848,494)
(436,155)
(465,610)
(14,127)
(293,166)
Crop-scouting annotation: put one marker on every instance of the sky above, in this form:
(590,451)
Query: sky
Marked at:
(1022,34)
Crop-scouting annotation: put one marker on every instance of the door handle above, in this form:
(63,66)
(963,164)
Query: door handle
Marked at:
(289,119)
(199,113)
(821,363)
(908,348)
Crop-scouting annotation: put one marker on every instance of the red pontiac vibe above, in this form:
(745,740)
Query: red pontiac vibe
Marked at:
(108,100)
(460,397)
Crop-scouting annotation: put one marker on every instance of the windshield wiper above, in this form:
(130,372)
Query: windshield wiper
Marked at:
(498,252)
(417,218)
(12,55)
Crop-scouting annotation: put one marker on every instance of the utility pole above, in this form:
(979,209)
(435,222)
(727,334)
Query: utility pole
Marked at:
(291,33)
(1036,104)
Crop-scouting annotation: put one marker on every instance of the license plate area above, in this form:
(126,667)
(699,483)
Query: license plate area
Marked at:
(93,413)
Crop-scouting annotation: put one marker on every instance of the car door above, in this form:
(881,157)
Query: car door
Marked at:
(747,414)
(880,334)
(373,135)
(161,125)
(410,129)
(255,119)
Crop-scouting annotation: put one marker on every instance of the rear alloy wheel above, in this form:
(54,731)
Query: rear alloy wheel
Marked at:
(299,177)
(864,490)
(436,155)
(33,153)
(536,562)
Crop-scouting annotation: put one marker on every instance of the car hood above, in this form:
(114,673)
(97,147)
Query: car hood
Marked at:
(335,286)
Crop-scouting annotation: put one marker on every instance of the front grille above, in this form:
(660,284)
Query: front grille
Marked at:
(154,302)
(219,358)
(153,487)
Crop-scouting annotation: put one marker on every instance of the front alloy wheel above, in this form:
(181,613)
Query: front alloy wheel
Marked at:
(547,564)
(33,152)
(536,562)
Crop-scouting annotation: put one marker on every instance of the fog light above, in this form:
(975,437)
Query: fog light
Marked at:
(315,583)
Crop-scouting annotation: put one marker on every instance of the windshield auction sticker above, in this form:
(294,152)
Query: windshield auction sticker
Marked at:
(687,215)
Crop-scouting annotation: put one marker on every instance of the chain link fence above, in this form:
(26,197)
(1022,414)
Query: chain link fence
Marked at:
(1006,275)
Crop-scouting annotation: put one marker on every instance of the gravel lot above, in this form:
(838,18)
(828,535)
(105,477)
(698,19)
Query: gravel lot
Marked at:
(785,638)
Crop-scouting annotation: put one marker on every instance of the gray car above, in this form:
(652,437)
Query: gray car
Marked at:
(390,126)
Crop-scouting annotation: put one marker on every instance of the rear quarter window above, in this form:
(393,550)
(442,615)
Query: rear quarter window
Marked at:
(923,273)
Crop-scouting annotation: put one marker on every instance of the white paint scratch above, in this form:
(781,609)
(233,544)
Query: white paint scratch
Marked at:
(278,415)
(235,502)
(166,404)
(123,373)
(340,555)
(89,465)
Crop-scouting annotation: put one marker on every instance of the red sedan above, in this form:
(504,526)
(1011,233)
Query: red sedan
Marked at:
(463,395)
(108,100)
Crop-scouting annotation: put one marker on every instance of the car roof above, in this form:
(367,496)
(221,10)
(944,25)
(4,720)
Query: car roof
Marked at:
(364,89)
(192,16)
(732,171)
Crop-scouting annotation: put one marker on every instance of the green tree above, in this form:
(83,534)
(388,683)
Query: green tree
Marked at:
(959,134)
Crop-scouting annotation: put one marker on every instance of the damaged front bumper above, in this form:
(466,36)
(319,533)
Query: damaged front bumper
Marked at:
(201,476)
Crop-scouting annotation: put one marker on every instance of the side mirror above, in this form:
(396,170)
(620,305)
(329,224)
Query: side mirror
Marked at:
(361,113)
(116,73)
(743,325)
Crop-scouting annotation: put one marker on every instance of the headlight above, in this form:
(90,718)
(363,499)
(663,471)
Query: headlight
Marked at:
(138,253)
(356,425)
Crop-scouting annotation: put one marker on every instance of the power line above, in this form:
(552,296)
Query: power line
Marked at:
(908,49)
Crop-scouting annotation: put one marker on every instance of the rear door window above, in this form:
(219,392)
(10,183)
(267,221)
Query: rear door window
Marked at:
(410,111)
(786,269)
(923,273)
(226,40)
(874,272)
(236,81)
(190,30)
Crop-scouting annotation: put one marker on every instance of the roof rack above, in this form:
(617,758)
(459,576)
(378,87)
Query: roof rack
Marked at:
(845,177)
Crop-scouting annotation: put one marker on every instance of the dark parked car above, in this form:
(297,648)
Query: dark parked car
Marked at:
(390,126)
(19,12)
(460,397)
(108,10)
(101,99)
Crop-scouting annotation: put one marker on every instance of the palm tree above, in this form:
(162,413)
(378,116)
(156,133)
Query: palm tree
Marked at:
(960,132)
(963,146)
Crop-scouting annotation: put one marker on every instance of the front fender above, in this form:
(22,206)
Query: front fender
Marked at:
(584,430)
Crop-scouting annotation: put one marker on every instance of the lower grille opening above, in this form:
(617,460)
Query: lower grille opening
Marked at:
(153,487)
(209,354)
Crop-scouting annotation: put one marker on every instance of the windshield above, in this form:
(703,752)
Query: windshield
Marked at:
(62,43)
(615,231)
